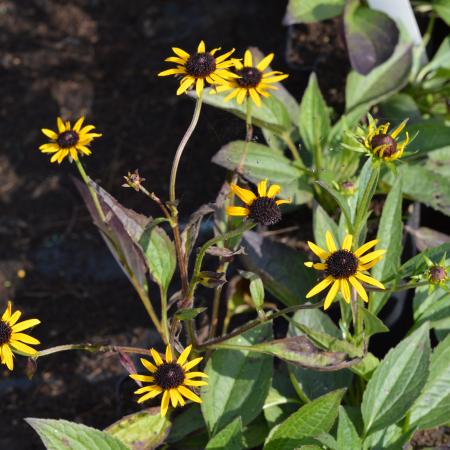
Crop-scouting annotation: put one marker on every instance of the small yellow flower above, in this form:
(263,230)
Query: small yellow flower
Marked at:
(171,378)
(68,141)
(344,268)
(252,81)
(263,208)
(383,145)
(199,67)
(12,339)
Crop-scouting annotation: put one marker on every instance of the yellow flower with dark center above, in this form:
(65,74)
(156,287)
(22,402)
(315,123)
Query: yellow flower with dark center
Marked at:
(171,378)
(68,141)
(344,268)
(263,208)
(384,145)
(200,67)
(252,80)
(12,339)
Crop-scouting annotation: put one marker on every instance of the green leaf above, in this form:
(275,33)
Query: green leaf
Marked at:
(280,267)
(189,313)
(340,200)
(430,135)
(347,436)
(372,324)
(393,387)
(425,186)
(238,381)
(143,430)
(390,233)
(442,9)
(312,383)
(305,11)
(256,288)
(314,122)
(310,420)
(371,36)
(272,114)
(160,255)
(432,408)
(230,437)
(62,435)
(382,82)
(367,184)
(390,438)
(190,419)
(400,106)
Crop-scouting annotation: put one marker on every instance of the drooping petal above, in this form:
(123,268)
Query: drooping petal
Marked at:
(320,287)
(331,294)
(265,62)
(359,288)
(23,348)
(345,289)
(274,190)
(185,85)
(143,389)
(199,86)
(247,196)
(180,397)
(365,247)
(330,241)
(152,394)
(369,280)
(241,96)
(255,97)
(189,394)
(283,201)
(231,95)
(238,211)
(262,188)
(7,356)
(320,252)
(173,397)
(165,403)
(347,244)
(184,355)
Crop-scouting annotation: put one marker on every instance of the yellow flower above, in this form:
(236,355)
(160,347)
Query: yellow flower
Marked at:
(263,208)
(344,268)
(171,378)
(252,80)
(68,141)
(383,145)
(199,67)
(11,338)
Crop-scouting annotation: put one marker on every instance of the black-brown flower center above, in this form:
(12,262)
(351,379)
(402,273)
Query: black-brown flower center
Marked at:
(438,273)
(67,139)
(265,211)
(200,65)
(169,375)
(388,142)
(5,332)
(342,264)
(250,77)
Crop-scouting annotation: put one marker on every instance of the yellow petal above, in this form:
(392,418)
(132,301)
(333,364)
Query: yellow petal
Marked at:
(189,394)
(262,188)
(24,338)
(168,72)
(265,62)
(181,53)
(309,264)
(195,383)
(78,124)
(7,314)
(399,129)
(168,354)
(165,403)
(189,365)
(195,374)
(152,394)
(238,211)
(255,97)
(199,86)
(201,47)
(365,247)
(275,79)
(247,196)
(185,85)
(173,397)
(274,190)
(143,389)
(60,124)
(369,265)
(359,288)
(223,57)
(322,254)
(23,348)
(369,280)
(320,266)
(25,324)
(331,294)
(184,355)
(345,289)
(347,244)
(248,61)
(372,255)
(148,365)
(175,60)
(7,356)
(49,133)
(283,202)
(158,360)
(241,96)
(138,377)
(330,241)
(180,397)
(320,287)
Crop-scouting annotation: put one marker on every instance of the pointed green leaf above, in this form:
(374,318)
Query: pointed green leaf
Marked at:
(62,435)
(347,436)
(372,324)
(230,437)
(306,11)
(393,387)
(311,420)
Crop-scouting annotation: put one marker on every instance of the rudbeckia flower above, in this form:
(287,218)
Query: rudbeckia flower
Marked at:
(263,208)
(382,144)
(199,67)
(171,378)
(344,268)
(252,81)
(68,141)
(12,340)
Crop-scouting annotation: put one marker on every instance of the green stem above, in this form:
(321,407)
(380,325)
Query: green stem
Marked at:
(164,322)
(216,301)
(94,348)
(91,189)
(292,147)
